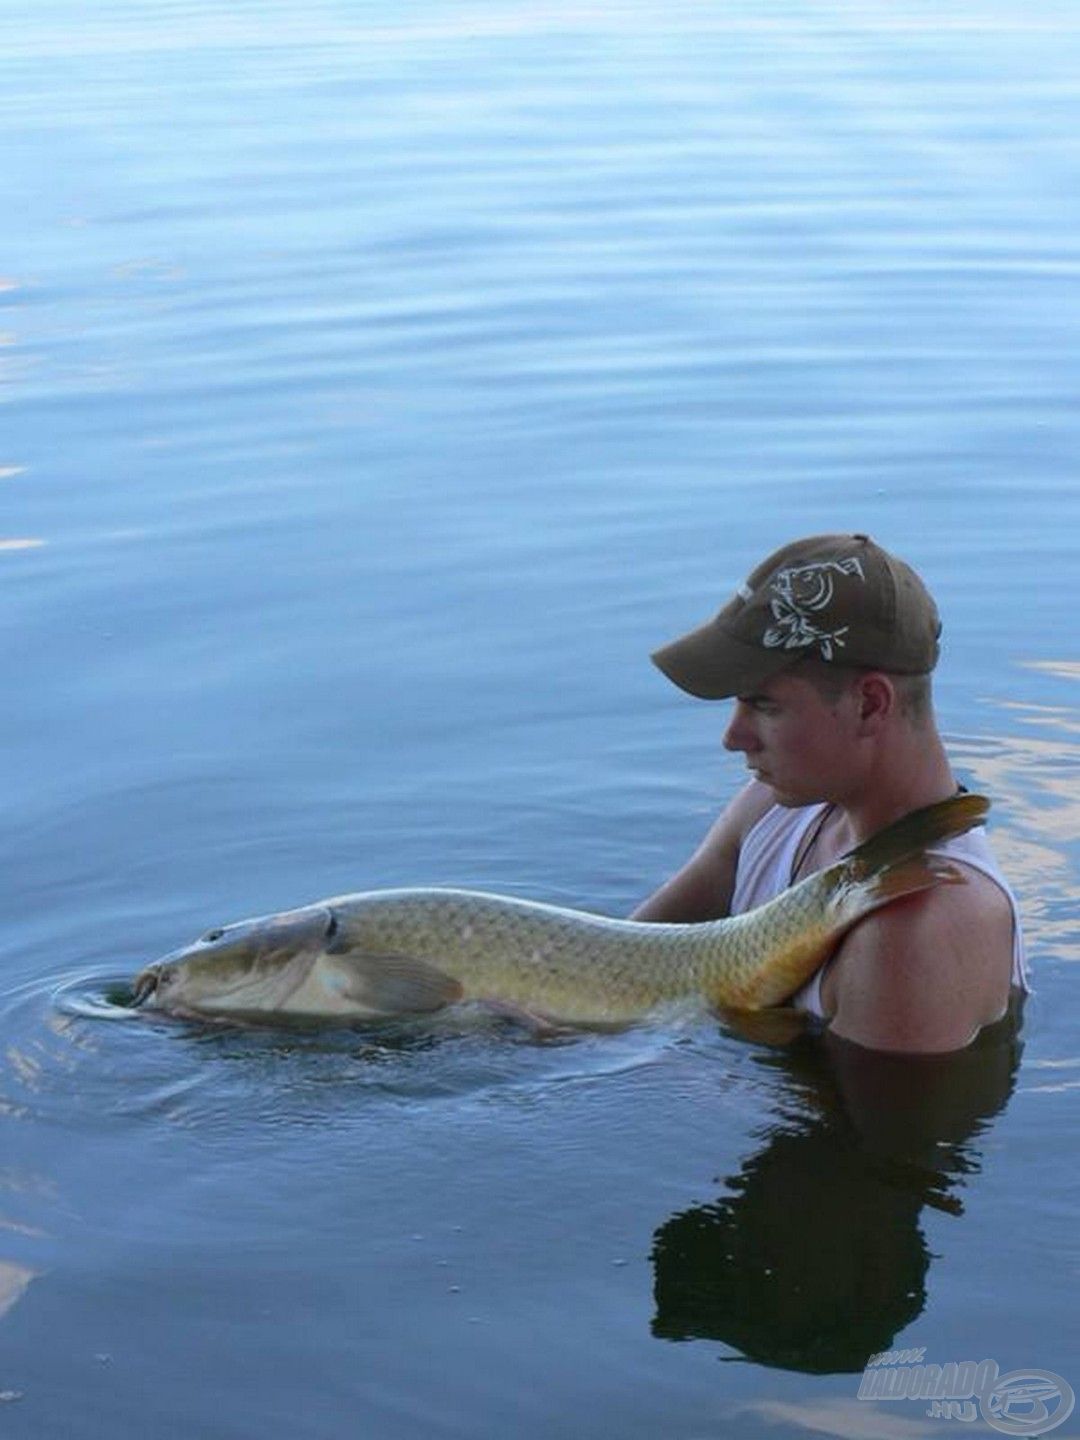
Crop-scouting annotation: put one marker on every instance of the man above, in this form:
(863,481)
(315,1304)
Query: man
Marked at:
(827,649)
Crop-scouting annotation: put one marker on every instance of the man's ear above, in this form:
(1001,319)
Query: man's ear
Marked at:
(875,700)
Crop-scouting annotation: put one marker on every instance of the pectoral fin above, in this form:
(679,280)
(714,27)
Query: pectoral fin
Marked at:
(392,984)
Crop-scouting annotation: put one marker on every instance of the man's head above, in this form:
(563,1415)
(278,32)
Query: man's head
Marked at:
(817,732)
(837,600)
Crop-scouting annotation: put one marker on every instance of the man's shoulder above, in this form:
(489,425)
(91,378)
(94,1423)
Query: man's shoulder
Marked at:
(738,817)
(750,806)
(702,888)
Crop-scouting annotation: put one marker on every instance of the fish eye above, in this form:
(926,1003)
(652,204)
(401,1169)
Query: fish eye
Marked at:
(212,935)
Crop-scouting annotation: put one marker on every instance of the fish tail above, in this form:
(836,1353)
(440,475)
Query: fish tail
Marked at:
(905,877)
(894,862)
(916,832)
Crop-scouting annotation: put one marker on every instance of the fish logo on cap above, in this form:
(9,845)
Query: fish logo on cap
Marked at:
(801,593)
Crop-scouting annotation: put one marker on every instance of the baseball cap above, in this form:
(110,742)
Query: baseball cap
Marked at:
(837,598)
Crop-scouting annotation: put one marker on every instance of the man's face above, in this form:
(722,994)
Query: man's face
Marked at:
(797,742)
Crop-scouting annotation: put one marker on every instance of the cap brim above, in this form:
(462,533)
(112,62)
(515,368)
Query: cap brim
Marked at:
(709,663)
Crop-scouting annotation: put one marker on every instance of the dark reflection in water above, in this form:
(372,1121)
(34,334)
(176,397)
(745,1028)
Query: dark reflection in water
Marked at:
(814,1258)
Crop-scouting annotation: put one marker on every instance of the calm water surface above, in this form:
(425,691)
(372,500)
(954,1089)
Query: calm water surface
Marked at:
(378,389)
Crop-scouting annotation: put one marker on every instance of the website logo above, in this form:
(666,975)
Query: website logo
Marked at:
(1021,1402)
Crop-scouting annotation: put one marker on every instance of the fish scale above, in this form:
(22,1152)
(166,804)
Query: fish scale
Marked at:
(581,967)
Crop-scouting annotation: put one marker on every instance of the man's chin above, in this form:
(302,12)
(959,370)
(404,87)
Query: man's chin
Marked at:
(792,799)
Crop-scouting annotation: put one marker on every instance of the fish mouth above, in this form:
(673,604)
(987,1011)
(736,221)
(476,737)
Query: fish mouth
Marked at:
(145,983)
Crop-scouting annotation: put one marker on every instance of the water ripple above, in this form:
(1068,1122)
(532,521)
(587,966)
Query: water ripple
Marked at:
(76,1054)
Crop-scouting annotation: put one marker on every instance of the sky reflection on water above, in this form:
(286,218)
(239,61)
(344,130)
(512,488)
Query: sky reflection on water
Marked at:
(379,388)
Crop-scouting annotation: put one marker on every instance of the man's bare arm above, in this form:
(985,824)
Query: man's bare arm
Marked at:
(702,888)
(924,974)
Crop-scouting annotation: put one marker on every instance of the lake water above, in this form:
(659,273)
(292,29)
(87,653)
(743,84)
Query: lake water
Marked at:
(380,384)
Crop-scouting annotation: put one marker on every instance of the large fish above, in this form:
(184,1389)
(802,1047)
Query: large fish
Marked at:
(399,952)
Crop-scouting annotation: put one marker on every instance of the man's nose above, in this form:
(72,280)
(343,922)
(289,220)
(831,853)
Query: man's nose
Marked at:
(739,734)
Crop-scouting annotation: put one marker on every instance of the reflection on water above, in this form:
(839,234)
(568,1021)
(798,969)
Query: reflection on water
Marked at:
(1033,774)
(13,1282)
(814,1257)
(1063,669)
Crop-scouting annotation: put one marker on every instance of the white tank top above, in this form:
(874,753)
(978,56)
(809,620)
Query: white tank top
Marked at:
(767,859)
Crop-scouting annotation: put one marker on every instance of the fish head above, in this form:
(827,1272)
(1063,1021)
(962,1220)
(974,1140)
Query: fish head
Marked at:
(236,966)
